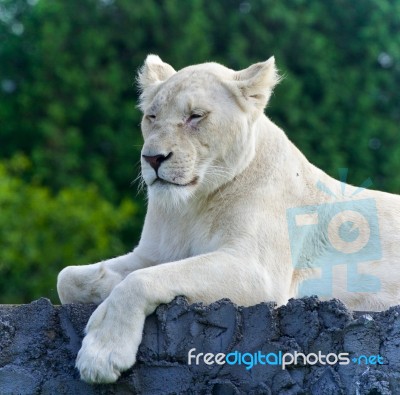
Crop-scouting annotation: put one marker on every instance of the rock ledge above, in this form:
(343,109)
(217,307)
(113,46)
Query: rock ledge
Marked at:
(39,343)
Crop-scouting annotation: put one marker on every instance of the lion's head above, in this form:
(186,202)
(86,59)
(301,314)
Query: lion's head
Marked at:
(198,125)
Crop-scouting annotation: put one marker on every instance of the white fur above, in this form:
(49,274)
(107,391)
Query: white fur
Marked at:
(223,231)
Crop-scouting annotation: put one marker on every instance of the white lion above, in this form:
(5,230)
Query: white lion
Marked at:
(234,211)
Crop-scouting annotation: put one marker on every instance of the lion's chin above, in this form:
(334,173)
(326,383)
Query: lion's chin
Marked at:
(169,195)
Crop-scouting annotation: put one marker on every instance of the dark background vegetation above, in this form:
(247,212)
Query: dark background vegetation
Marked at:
(69,129)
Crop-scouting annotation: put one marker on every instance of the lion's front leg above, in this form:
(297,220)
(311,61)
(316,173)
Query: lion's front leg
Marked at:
(114,331)
(93,283)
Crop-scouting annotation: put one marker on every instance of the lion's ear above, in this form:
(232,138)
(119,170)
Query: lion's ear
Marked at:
(154,71)
(257,82)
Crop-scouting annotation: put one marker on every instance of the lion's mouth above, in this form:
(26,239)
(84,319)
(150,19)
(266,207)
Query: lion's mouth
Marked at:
(165,182)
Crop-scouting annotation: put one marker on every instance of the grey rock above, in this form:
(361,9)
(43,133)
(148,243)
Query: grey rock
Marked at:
(39,343)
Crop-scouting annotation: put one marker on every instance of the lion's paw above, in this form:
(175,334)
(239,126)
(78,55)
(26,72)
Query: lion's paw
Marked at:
(110,345)
(101,363)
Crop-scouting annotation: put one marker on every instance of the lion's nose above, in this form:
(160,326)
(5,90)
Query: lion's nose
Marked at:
(156,160)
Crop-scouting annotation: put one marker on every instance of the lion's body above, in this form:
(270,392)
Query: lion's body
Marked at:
(221,180)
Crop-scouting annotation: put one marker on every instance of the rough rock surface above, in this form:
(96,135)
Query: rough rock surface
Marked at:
(39,343)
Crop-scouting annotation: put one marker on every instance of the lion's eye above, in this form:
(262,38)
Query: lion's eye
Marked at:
(150,117)
(196,116)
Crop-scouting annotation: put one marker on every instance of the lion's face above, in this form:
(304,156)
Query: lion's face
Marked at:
(197,129)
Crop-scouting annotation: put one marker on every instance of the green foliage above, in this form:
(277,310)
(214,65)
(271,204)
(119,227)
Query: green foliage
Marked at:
(67,94)
(40,232)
